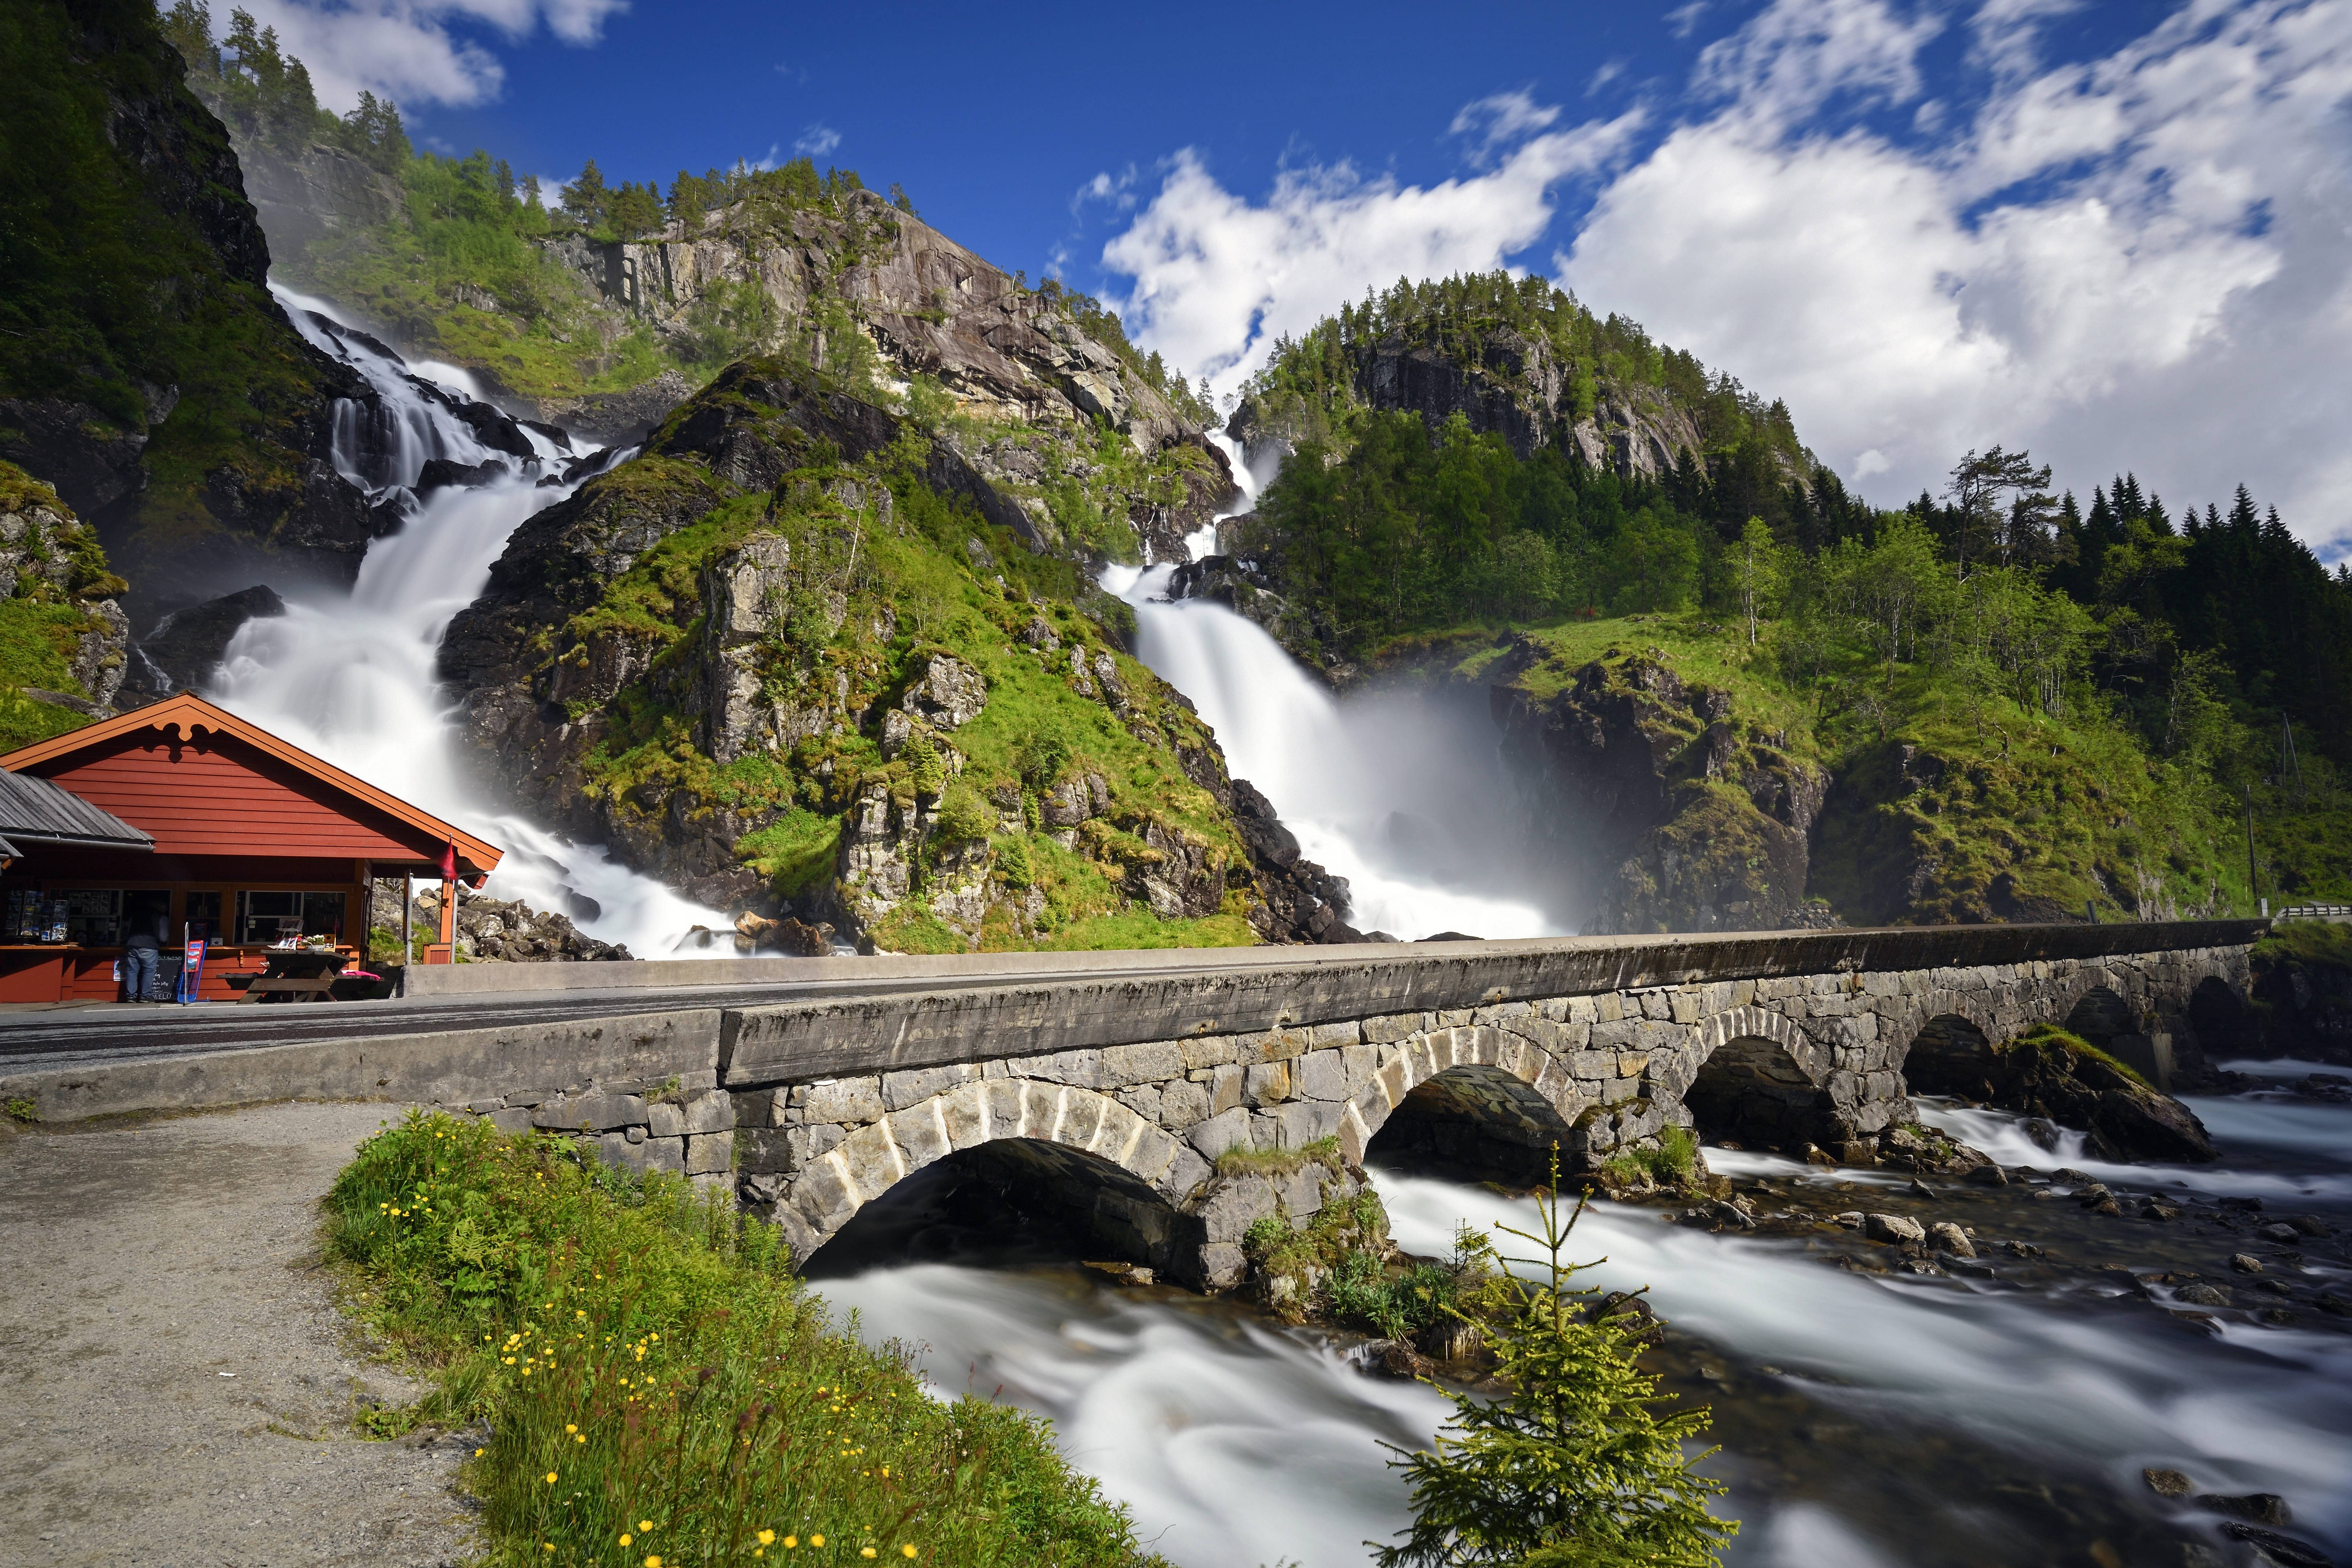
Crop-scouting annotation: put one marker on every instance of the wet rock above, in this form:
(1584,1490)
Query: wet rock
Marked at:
(2241,1204)
(1949,1237)
(1719,1216)
(2258,1507)
(2335,1302)
(1395,1358)
(2310,1224)
(1897,1229)
(1919,1189)
(2202,1295)
(2245,1263)
(1121,1273)
(2021,1249)
(2166,1483)
(2284,1234)
(187,645)
(1987,1175)
(2283,1549)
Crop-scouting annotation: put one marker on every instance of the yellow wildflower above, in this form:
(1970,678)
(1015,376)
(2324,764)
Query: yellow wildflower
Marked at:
(767,1538)
(627,1538)
(866,1551)
(909,1552)
(643,1525)
(551,1478)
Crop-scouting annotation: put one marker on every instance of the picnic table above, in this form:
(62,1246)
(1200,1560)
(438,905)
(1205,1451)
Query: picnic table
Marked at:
(296,973)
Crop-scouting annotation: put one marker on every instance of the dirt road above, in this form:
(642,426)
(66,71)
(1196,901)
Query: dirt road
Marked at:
(176,1387)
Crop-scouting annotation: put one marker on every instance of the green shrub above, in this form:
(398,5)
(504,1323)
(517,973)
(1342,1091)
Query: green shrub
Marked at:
(657,1382)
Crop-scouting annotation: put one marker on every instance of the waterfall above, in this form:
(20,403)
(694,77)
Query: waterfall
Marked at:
(351,676)
(1400,793)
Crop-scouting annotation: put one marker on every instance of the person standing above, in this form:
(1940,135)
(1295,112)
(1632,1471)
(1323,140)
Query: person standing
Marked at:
(142,956)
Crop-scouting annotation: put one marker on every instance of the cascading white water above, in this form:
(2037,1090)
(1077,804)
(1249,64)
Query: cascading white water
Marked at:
(1235,1443)
(352,677)
(1400,795)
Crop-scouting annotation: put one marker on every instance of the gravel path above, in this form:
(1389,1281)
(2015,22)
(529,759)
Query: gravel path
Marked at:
(176,1386)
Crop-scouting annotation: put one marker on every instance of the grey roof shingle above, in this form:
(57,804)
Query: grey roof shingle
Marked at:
(33,810)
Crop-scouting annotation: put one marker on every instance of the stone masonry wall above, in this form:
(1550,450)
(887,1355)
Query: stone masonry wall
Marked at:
(1615,1068)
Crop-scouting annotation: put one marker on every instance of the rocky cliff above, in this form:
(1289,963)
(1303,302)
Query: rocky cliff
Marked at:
(1504,381)
(791,660)
(1664,804)
(145,370)
(63,637)
(1030,379)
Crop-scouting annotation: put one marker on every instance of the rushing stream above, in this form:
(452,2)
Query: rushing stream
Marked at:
(1866,1417)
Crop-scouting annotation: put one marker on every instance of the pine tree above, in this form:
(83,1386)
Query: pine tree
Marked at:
(1575,1469)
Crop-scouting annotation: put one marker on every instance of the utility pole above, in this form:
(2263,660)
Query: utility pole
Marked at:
(2286,731)
(2253,876)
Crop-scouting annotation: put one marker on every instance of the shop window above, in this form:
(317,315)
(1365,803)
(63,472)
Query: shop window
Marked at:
(323,915)
(201,915)
(93,916)
(267,918)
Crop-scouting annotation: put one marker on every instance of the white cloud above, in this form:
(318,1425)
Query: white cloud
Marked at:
(1500,120)
(2134,261)
(408,50)
(1683,19)
(817,141)
(1217,279)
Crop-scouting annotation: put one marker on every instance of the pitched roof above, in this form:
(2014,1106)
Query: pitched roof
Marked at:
(184,714)
(35,811)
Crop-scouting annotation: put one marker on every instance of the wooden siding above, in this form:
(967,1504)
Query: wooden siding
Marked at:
(217,796)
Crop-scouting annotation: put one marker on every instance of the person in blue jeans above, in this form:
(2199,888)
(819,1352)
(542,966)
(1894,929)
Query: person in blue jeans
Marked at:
(143,955)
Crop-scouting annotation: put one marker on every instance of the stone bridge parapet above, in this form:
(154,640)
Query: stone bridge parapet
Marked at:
(1136,1088)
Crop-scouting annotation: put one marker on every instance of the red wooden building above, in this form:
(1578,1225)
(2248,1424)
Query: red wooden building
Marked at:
(255,844)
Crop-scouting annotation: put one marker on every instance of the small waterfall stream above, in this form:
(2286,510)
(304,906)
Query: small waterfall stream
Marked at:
(351,676)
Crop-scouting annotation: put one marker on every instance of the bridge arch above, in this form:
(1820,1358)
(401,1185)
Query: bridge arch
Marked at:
(1076,1130)
(1754,1092)
(1950,1053)
(1476,1119)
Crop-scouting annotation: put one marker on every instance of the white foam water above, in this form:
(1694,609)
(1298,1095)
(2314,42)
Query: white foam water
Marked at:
(1235,1443)
(351,676)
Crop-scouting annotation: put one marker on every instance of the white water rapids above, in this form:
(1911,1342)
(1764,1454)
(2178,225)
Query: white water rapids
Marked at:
(351,676)
(1236,1443)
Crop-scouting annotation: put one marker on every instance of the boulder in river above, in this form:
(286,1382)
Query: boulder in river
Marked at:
(2049,1073)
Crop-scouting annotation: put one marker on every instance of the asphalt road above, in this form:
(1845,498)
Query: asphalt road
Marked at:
(72,1036)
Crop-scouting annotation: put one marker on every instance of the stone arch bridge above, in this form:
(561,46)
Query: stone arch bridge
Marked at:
(1114,1098)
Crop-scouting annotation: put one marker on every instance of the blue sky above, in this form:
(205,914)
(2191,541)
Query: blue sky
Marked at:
(2117,233)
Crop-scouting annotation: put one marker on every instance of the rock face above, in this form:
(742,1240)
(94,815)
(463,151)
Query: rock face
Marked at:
(188,646)
(2049,1073)
(194,430)
(1505,382)
(312,191)
(779,668)
(1688,818)
(493,930)
(860,279)
(53,568)
(2302,996)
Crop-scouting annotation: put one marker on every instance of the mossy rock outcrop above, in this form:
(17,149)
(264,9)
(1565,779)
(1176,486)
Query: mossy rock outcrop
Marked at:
(800,661)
